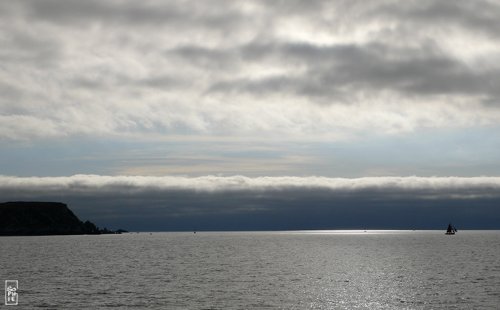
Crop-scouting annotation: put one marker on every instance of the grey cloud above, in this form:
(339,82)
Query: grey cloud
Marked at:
(412,71)
(478,16)
(89,83)
(153,13)
(259,86)
(70,12)
(163,82)
(10,94)
(28,48)
(109,81)
(212,58)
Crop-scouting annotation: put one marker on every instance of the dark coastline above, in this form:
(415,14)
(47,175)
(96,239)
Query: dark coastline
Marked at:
(33,218)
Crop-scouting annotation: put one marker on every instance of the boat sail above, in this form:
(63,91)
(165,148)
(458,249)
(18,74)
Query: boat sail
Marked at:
(450,230)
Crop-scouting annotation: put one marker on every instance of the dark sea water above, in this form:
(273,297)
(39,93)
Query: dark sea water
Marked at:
(256,270)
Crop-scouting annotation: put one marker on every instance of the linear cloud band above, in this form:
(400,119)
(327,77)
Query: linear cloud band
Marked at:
(437,187)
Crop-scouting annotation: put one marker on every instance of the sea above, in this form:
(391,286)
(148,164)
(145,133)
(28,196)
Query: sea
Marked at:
(256,270)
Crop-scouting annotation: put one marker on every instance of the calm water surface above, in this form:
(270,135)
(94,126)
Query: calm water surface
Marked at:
(256,270)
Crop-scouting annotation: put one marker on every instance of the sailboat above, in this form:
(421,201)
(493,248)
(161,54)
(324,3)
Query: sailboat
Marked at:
(450,230)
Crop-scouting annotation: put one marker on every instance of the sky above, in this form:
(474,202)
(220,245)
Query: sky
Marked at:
(236,115)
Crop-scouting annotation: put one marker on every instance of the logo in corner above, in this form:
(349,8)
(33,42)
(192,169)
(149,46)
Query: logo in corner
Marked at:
(11,295)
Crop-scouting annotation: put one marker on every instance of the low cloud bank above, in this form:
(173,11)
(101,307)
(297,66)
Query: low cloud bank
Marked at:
(89,184)
(243,203)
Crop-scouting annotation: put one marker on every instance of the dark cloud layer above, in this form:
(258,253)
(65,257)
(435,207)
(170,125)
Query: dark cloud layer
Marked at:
(287,209)
(238,203)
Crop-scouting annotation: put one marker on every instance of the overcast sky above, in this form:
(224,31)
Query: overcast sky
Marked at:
(255,89)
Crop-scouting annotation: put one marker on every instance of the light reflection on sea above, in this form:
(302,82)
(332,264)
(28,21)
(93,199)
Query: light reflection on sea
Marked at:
(349,232)
(338,269)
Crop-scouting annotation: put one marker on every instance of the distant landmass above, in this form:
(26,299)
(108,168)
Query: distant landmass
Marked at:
(23,218)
